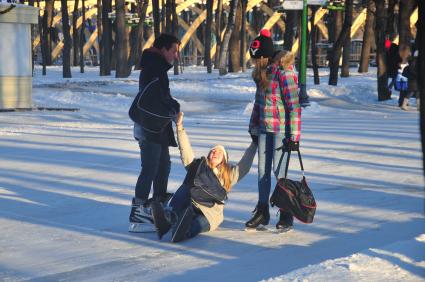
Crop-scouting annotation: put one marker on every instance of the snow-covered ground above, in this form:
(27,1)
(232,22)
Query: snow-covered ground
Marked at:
(67,178)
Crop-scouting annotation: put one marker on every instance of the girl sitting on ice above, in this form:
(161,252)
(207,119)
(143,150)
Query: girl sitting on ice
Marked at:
(197,206)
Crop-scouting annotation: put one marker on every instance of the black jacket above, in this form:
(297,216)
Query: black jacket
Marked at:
(154,66)
(205,188)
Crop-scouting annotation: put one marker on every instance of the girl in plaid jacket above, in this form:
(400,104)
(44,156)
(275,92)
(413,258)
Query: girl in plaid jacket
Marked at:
(275,122)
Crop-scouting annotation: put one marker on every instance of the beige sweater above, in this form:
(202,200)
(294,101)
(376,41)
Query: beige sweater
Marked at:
(214,214)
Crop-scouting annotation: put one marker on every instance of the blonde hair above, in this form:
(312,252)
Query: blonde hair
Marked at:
(404,52)
(259,74)
(223,173)
(284,59)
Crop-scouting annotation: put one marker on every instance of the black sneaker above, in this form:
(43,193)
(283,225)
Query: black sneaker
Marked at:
(285,223)
(162,225)
(182,225)
(141,218)
(260,218)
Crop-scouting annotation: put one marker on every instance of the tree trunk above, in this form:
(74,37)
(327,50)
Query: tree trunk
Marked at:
(133,43)
(391,26)
(367,37)
(175,32)
(162,16)
(243,36)
(121,40)
(234,44)
(66,54)
(421,71)
(75,39)
(82,36)
(227,35)
(218,20)
(48,13)
(313,36)
(336,50)
(168,16)
(405,34)
(380,27)
(99,31)
(345,69)
(42,23)
(208,34)
(290,25)
(156,18)
(142,7)
(106,43)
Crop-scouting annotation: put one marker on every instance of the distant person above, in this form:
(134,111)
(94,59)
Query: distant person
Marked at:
(275,121)
(401,81)
(410,72)
(191,211)
(154,151)
(393,60)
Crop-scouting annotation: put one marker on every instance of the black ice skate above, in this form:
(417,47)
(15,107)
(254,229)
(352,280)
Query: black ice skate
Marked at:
(160,220)
(260,219)
(141,218)
(285,223)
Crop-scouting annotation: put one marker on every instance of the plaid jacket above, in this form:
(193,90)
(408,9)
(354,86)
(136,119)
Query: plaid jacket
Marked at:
(277,109)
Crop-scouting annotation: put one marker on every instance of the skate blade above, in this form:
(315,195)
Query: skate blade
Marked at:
(141,228)
(260,228)
(284,230)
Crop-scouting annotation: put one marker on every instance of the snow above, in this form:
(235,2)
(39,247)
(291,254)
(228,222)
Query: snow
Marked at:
(67,178)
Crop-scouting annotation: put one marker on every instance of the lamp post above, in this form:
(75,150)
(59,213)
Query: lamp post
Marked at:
(304,99)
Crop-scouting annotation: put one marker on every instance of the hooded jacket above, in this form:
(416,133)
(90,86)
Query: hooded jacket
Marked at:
(154,66)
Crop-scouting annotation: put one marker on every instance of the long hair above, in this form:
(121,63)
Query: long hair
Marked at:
(284,59)
(223,173)
(259,74)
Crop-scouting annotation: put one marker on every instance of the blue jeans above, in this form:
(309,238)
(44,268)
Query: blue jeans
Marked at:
(156,164)
(180,201)
(267,154)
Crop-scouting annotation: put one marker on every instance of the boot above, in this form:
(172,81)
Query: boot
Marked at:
(404,105)
(261,217)
(285,223)
(182,226)
(141,217)
(162,224)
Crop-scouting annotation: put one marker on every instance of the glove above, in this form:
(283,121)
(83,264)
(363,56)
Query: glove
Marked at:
(254,138)
(289,145)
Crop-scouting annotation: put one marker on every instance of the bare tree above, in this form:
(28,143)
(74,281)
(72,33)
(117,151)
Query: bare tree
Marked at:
(156,18)
(133,42)
(345,68)
(82,36)
(75,40)
(106,39)
(380,27)
(175,31)
(243,36)
(367,37)
(421,71)
(142,7)
(391,30)
(99,29)
(218,21)
(47,29)
(290,27)
(66,54)
(313,35)
(336,50)
(227,35)
(208,35)
(405,34)
(121,42)
(235,42)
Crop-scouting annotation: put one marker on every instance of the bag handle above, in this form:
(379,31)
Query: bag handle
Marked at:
(287,162)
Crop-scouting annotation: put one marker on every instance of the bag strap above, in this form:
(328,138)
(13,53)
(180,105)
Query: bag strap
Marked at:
(287,162)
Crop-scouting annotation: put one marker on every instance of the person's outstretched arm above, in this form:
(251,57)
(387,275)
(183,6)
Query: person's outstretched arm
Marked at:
(243,166)
(186,152)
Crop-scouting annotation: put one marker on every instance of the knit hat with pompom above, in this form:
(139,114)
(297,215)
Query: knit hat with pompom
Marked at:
(262,45)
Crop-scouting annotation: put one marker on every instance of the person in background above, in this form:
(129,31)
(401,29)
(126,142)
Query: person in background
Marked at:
(275,121)
(393,60)
(404,96)
(412,84)
(154,147)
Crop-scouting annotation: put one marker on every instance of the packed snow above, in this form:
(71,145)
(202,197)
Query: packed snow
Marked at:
(67,179)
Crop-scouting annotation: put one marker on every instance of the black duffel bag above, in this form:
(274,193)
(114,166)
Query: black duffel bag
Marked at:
(294,196)
(147,111)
